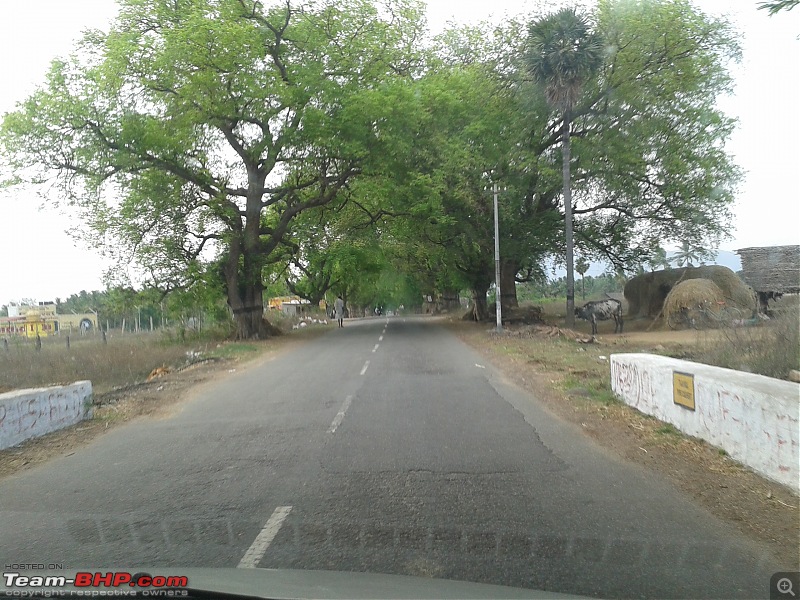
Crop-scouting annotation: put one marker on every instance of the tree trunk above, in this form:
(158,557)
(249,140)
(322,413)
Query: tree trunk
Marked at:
(570,317)
(508,284)
(245,290)
(478,310)
(449,300)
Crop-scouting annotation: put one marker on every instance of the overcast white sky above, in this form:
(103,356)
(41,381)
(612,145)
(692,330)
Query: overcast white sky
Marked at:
(39,260)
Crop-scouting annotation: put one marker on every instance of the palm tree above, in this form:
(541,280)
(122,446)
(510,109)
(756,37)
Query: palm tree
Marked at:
(581,266)
(686,256)
(659,259)
(776,6)
(563,54)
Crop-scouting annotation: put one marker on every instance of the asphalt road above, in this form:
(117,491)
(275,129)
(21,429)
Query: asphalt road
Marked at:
(386,446)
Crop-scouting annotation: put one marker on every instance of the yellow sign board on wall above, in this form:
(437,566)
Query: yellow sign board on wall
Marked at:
(683,389)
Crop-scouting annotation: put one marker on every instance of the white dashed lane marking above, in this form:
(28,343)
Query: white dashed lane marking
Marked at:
(364,369)
(375,348)
(264,538)
(380,339)
(337,420)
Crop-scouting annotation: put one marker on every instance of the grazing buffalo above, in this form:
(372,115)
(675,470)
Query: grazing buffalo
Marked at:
(601,310)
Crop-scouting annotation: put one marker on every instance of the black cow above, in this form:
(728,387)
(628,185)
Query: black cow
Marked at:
(601,310)
(764,298)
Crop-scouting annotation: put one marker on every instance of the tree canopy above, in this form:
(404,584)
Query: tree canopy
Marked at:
(331,147)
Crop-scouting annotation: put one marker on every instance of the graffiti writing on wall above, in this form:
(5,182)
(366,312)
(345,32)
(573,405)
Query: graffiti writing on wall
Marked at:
(38,413)
(633,383)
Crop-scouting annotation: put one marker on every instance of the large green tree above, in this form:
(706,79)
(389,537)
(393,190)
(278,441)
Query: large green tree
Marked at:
(649,164)
(198,129)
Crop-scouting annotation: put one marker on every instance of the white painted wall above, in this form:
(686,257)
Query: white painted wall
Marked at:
(30,413)
(755,419)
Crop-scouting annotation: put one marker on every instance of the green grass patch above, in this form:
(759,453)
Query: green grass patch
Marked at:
(107,415)
(606,397)
(668,429)
(591,387)
(233,350)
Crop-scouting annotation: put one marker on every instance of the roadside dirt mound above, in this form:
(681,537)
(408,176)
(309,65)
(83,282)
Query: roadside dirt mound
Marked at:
(544,330)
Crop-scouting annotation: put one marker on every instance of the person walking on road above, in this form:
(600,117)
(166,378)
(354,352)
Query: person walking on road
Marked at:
(340,311)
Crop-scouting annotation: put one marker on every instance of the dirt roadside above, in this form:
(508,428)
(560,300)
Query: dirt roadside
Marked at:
(761,509)
(158,398)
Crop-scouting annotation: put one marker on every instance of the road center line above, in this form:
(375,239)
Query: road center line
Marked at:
(364,369)
(264,538)
(375,348)
(380,339)
(337,420)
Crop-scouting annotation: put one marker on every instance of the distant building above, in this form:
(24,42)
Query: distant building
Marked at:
(43,320)
(289,305)
(772,268)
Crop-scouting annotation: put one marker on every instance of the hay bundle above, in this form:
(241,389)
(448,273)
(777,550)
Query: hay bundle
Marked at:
(647,293)
(692,294)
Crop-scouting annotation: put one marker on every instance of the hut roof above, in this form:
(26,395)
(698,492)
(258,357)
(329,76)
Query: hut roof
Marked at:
(772,268)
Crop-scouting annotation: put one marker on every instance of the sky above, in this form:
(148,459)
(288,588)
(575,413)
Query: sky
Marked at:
(40,261)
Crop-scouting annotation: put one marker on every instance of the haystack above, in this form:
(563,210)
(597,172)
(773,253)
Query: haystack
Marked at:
(647,293)
(692,294)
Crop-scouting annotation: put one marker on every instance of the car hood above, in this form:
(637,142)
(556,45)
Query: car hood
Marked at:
(290,583)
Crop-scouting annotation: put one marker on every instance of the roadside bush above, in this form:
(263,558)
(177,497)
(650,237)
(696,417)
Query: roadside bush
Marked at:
(771,349)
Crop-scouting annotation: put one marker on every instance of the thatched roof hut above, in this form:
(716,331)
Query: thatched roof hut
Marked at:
(646,293)
(772,269)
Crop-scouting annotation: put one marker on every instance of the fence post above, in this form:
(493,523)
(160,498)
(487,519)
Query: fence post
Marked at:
(38,343)
(67,341)
(103,332)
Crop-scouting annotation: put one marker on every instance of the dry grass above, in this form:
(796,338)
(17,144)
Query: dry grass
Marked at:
(123,360)
(771,349)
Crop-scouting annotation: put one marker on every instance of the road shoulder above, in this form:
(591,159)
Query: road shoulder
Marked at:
(764,511)
(159,398)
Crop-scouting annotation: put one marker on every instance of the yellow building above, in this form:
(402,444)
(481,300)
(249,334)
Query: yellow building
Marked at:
(42,320)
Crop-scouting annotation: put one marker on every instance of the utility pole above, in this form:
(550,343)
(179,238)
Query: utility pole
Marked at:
(498,302)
